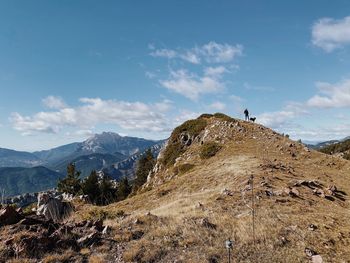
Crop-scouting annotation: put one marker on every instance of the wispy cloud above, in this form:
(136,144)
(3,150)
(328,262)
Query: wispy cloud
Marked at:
(330,34)
(164,53)
(135,116)
(211,52)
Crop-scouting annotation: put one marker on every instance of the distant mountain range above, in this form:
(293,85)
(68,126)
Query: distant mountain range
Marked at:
(320,145)
(35,171)
(19,180)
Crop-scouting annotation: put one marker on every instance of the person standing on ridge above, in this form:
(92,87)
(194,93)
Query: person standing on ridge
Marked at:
(246,115)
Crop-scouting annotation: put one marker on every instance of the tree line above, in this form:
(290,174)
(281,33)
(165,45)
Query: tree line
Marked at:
(101,190)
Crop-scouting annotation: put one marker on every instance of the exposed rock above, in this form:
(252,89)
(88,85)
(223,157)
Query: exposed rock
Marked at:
(309,252)
(319,192)
(309,183)
(9,216)
(88,239)
(293,192)
(106,230)
(52,208)
(312,227)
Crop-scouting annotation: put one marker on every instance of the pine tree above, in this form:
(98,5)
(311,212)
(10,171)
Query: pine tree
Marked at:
(107,192)
(91,188)
(144,166)
(124,189)
(71,184)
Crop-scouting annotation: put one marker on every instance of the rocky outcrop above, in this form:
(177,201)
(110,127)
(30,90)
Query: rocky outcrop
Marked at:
(9,215)
(53,208)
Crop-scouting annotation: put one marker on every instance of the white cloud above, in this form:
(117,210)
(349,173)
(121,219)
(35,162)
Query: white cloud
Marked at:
(283,118)
(331,95)
(191,85)
(321,133)
(275,119)
(211,52)
(84,132)
(136,116)
(54,102)
(215,71)
(218,105)
(330,34)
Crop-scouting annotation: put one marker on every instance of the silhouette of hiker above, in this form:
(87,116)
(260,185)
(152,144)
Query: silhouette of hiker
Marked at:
(246,115)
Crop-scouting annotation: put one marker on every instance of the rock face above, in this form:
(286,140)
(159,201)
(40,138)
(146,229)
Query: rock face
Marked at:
(9,215)
(52,208)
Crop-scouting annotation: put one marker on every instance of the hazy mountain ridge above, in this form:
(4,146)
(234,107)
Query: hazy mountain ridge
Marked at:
(98,152)
(18,180)
(12,158)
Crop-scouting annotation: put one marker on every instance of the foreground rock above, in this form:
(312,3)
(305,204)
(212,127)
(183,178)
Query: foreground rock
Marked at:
(53,207)
(9,215)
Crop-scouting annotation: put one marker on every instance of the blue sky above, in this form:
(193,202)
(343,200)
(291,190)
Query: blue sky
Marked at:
(69,69)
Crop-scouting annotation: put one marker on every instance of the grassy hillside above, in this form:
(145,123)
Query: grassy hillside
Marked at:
(188,215)
(16,180)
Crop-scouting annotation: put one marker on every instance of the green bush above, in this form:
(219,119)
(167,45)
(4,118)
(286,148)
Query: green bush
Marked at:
(193,127)
(224,117)
(174,148)
(205,116)
(144,165)
(209,149)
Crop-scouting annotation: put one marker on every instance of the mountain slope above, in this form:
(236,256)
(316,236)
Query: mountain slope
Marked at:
(86,163)
(12,158)
(58,153)
(127,167)
(16,180)
(192,204)
(109,142)
(341,149)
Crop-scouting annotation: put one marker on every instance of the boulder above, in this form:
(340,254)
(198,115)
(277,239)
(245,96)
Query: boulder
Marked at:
(52,208)
(9,216)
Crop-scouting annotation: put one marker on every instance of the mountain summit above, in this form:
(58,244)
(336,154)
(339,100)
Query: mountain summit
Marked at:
(109,142)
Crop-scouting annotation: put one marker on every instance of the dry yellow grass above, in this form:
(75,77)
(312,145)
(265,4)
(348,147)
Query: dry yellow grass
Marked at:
(281,235)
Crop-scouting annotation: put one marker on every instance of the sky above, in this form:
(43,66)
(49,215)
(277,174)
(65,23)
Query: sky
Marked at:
(72,68)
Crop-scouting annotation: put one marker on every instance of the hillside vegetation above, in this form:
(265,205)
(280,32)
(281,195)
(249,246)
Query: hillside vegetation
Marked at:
(17,180)
(340,148)
(192,203)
